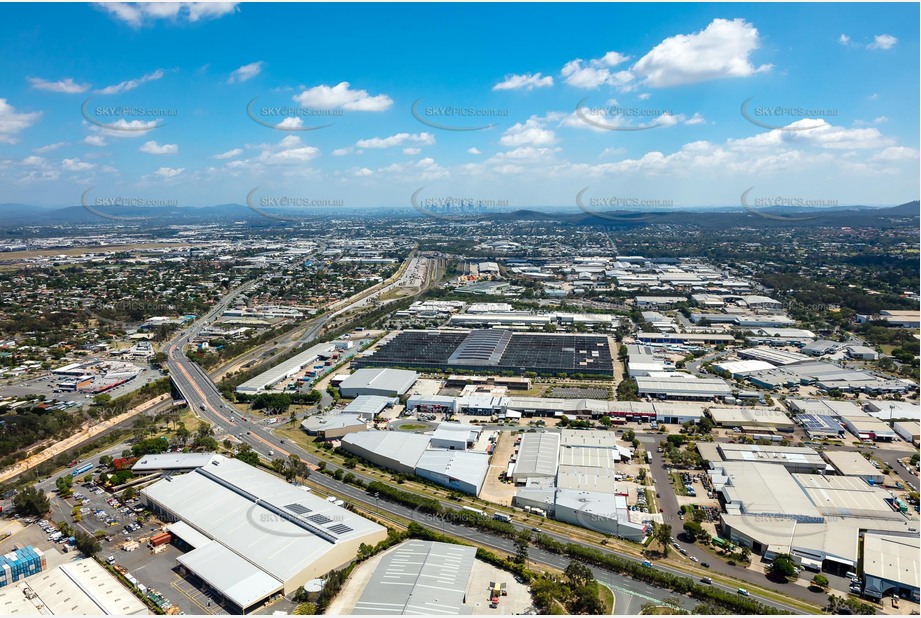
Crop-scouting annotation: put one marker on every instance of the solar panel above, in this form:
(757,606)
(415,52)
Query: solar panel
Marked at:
(319,518)
(339,529)
(300,509)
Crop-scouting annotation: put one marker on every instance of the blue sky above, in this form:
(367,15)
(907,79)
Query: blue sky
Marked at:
(638,101)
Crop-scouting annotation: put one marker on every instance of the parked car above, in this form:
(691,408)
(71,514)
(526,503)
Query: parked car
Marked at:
(743,592)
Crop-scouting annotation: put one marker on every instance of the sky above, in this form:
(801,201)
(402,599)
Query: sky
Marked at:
(525,105)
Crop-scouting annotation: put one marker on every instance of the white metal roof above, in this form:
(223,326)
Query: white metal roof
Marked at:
(284,369)
(236,578)
(538,454)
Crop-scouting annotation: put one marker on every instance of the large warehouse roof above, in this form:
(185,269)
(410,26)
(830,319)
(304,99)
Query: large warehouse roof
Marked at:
(236,578)
(850,463)
(76,588)
(846,496)
(750,416)
(466,467)
(396,381)
(683,387)
(401,446)
(419,577)
(279,528)
(285,369)
(538,454)
(757,488)
(892,558)
(795,455)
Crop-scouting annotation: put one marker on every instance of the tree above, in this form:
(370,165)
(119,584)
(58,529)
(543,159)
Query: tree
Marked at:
(182,433)
(31,501)
(662,534)
(693,529)
(88,545)
(522,541)
(64,484)
(279,465)
(578,574)
(783,566)
(820,581)
(605,421)
(248,456)
(204,430)
(129,493)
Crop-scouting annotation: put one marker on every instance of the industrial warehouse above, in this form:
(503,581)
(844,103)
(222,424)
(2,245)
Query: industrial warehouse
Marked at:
(253,535)
(494,351)
(447,457)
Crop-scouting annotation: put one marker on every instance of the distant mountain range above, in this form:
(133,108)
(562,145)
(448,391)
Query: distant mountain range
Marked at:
(14,215)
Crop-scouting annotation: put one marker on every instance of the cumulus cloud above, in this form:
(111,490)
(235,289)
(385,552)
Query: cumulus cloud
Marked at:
(152,147)
(399,139)
(721,50)
(137,14)
(342,96)
(131,84)
(532,132)
(526,81)
(245,72)
(66,85)
(883,41)
(230,154)
(896,153)
(12,123)
(169,172)
(95,140)
(76,165)
(474,151)
(290,150)
(595,72)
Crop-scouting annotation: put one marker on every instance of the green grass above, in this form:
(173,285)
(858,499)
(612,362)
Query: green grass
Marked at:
(607,597)
(412,427)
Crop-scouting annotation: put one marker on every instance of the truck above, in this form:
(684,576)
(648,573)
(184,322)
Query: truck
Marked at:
(470,509)
(502,517)
(648,457)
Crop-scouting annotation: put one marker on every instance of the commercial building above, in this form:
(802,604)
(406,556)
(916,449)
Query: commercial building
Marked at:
(754,418)
(851,463)
(910,431)
(333,426)
(861,352)
(867,427)
(682,386)
(792,458)
(890,566)
(690,339)
(820,347)
(894,410)
(538,456)
(369,406)
(818,426)
(900,318)
(743,368)
(771,356)
(641,361)
(381,382)
(78,588)
(419,577)
(267,537)
(412,453)
(286,369)
(493,351)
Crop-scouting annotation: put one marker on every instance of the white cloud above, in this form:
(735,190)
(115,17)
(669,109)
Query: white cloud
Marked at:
(720,50)
(13,122)
(883,41)
(526,81)
(152,147)
(339,152)
(364,171)
(289,123)
(531,132)
(695,119)
(643,96)
(821,135)
(169,172)
(474,151)
(426,139)
(34,161)
(245,72)
(49,147)
(341,95)
(845,40)
(131,84)
(137,14)
(94,140)
(412,151)
(66,85)
(581,74)
(76,165)
(289,150)
(896,153)
(126,128)
(230,154)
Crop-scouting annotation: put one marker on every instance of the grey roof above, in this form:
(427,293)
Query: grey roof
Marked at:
(172,461)
(260,516)
(76,588)
(188,534)
(235,577)
(481,347)
(369,405)
(322,422)
(467,467)
(419,577)
(538,454)
(284,369)
(892,559)
(683,386)
(388,380)
(402,446)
